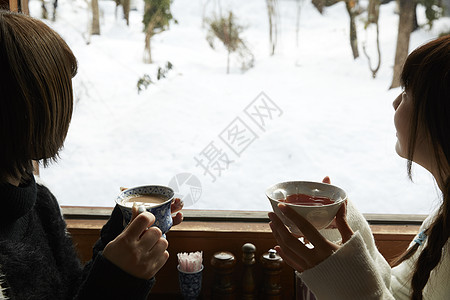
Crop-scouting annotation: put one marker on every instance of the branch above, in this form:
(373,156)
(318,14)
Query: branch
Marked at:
(374,71)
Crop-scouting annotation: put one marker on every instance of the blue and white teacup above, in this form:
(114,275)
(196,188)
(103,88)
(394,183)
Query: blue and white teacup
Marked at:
(160,209)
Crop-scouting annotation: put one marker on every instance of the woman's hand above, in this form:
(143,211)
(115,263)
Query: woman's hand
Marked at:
(333,225)
(175,207)
(140,250)
(296,253)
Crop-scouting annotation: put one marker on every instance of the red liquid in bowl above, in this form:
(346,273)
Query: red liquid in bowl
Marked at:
(303,199)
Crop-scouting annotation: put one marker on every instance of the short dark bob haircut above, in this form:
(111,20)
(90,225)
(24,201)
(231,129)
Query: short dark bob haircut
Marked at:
(36,97)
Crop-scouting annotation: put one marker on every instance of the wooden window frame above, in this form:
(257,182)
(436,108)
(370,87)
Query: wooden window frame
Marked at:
(19,6)
(212,231)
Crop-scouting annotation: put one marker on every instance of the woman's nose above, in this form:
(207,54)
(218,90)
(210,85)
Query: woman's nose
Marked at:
(397,101)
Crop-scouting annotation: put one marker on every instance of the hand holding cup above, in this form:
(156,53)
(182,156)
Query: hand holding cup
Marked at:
(140,249)
(298,255)
(175,209)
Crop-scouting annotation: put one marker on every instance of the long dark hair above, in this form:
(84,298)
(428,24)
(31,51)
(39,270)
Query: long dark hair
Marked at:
(426,76)
(36,98)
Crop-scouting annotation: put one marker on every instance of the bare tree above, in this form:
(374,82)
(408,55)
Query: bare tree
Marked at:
(272,12)
(405,27)
(228,31)
(297,21)
(320,4)
(95,28)
(351,9)
(373,14)
(217,7)
(126,9)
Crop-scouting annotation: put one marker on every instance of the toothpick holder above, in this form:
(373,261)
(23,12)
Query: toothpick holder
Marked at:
(190,283)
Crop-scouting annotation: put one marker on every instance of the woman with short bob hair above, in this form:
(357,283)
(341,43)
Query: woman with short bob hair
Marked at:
(347,265)
(36,97)
(37,257)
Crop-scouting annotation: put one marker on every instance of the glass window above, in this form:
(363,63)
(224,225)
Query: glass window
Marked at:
(307,110)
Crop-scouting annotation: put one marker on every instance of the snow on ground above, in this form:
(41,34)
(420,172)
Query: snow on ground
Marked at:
(335,119)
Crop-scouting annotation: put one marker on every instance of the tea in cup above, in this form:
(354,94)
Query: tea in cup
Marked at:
(317,202)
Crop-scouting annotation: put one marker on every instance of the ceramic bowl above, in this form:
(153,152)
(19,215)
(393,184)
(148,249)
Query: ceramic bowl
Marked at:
(162,213)
(320,216)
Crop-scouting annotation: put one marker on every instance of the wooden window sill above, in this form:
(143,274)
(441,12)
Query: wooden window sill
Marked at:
(225,231)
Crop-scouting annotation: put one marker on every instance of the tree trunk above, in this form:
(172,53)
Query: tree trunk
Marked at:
(95,29)
(44,14)
(320,4)
(24,7)
(373,11)
(148,49)
(374,70)
(271,11)
(405,27)
(228,62)
(297,22)
(350,5)
(126,10)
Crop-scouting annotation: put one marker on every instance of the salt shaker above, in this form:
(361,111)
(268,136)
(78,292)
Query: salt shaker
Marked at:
(223,286)
(272,265)
(248,276)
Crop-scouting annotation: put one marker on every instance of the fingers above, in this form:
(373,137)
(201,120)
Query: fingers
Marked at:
(177,219)
(294,251)
(327,180)
(140,249)
(342,224)
(309,231)
(152,241)
(159,247)
(157,254)
(290,249)
(136,210)
(176,205)
(297,263)
(284,238)
(139,225)
(156,263)
(150,237)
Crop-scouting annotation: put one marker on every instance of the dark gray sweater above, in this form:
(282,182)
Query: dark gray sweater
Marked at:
(38,259)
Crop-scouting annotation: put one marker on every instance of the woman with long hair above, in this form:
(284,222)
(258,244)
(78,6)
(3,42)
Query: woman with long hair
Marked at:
(352,268)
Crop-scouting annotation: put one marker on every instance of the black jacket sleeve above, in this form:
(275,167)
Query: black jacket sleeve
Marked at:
(102,279)
(106,281)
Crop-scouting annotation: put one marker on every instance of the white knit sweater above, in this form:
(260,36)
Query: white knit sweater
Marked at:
(358,271)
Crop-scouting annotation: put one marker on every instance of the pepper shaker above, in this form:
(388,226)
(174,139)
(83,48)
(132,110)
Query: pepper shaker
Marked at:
(248,276)
(223,286)
(272,265)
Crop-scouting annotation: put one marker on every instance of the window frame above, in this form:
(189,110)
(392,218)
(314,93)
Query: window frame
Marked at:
(103,213)
(228,231)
